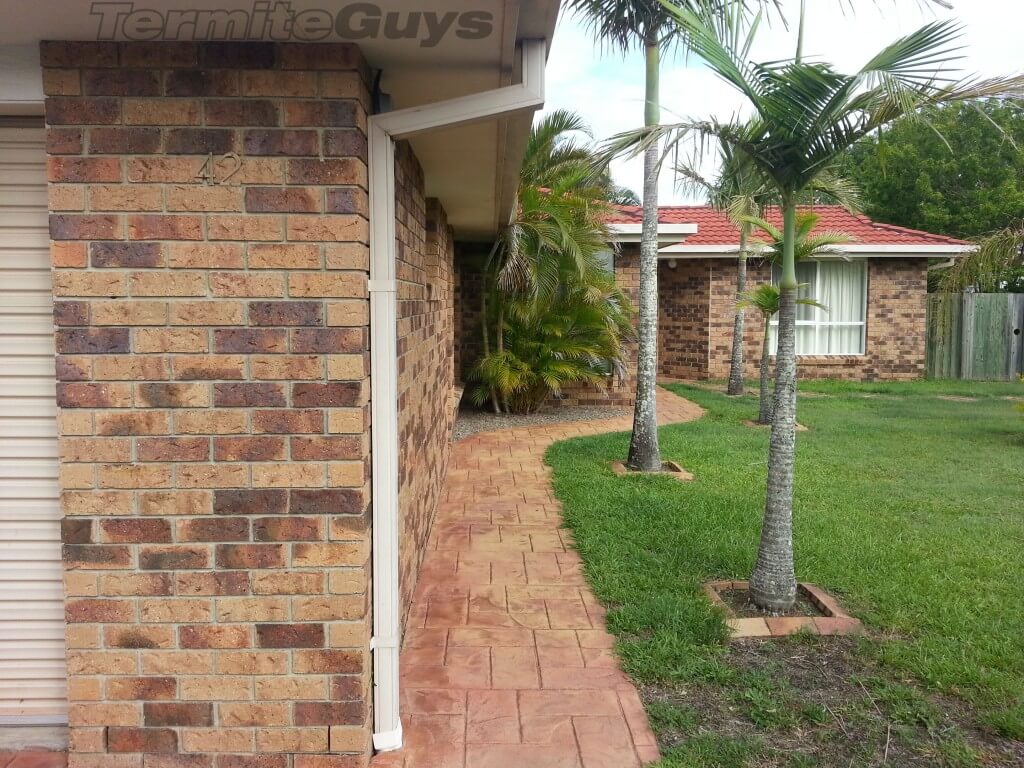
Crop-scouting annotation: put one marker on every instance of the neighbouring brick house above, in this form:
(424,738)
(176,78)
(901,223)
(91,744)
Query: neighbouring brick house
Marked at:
(875,288)
(249,264)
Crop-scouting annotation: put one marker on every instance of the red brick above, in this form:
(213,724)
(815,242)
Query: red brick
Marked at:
(159,54)
(288,142)
(92,396)
(134,255)
(248,395)
(333,395)
(98,611)
(120,82)
(63,141)
(214,636)
(345,142)
(328,340)
(290,636)
(74,110)
(64,53)
(347,200)
(329,713)
(331,662)
(214,529)
(248,449)
(93,341)
(304,313)
(288,528)
(70,313)
(135,531)
(282,200)
(69,226)
(168,714)
(199,141)
(74,531)
(329,501)
(241,112)
(173,449)
(141,740)
(250,341)
(173,558)
(344,170)
(202,82)
(285,422)
(222,583)
(96,556)
(124,141)
(165,227)
(144,688)
(333,448)
(250,502)
(250,556)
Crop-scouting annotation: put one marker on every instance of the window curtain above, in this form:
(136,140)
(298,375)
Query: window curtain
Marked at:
(838,330)
(841,287)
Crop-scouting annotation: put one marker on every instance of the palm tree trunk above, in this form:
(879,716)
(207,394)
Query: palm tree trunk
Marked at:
(773,581)
(764,414)
(736,381)
(644,453)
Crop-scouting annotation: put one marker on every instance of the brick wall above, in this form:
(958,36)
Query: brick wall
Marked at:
(683,299)
(212,365)
(895,346)
(425,362)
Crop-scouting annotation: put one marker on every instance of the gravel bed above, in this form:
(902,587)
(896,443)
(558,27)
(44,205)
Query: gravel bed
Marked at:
(470,422)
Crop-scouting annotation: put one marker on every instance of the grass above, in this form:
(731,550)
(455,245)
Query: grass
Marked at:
(908,506)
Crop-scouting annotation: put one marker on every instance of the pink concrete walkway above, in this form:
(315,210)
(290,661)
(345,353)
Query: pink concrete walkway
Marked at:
(507,662)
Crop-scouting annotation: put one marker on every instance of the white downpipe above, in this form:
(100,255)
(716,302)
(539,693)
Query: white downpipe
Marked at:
(383,130)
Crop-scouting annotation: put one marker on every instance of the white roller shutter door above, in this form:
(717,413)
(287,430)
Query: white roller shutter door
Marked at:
(32,671)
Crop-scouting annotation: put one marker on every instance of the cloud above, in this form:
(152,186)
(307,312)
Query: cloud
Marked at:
(607,87)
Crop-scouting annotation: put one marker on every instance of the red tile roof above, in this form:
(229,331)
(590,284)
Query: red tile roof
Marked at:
(715,228)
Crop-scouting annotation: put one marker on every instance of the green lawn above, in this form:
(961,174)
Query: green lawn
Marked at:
(908,506)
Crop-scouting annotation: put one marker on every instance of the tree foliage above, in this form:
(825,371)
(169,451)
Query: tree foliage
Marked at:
(961,173)
(552,314)
(996,266)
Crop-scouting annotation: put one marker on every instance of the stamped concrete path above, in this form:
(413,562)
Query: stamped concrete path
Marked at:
(507,662)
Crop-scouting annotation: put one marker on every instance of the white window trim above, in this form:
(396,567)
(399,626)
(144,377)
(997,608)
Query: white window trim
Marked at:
(819,324)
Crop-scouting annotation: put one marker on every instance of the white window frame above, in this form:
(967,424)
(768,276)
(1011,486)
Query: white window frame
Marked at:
(818,324)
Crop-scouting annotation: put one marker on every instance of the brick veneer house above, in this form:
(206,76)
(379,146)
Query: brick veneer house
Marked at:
(249,264)
(875,287)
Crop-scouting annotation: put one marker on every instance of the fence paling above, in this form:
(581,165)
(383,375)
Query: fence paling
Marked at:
(975,335)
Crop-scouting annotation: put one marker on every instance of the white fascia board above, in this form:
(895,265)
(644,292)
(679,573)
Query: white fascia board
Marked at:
(684,251)
(631,232)
(383,129)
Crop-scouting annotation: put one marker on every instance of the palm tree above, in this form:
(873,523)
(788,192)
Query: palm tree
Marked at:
(765,298)
(649,24)
(549,248)
(741,192)
(995,266)
(806,114)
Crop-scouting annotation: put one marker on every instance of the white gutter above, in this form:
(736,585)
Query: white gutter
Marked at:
(383,130)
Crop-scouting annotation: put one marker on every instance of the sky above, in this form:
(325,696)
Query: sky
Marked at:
(607,88)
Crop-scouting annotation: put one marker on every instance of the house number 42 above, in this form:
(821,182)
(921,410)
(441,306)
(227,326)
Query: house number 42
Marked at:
(220,169)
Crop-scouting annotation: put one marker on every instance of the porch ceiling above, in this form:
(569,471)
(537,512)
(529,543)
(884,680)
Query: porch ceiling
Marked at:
(471,169)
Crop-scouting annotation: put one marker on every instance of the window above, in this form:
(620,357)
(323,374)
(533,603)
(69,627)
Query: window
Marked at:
(842,287)
(606,258)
